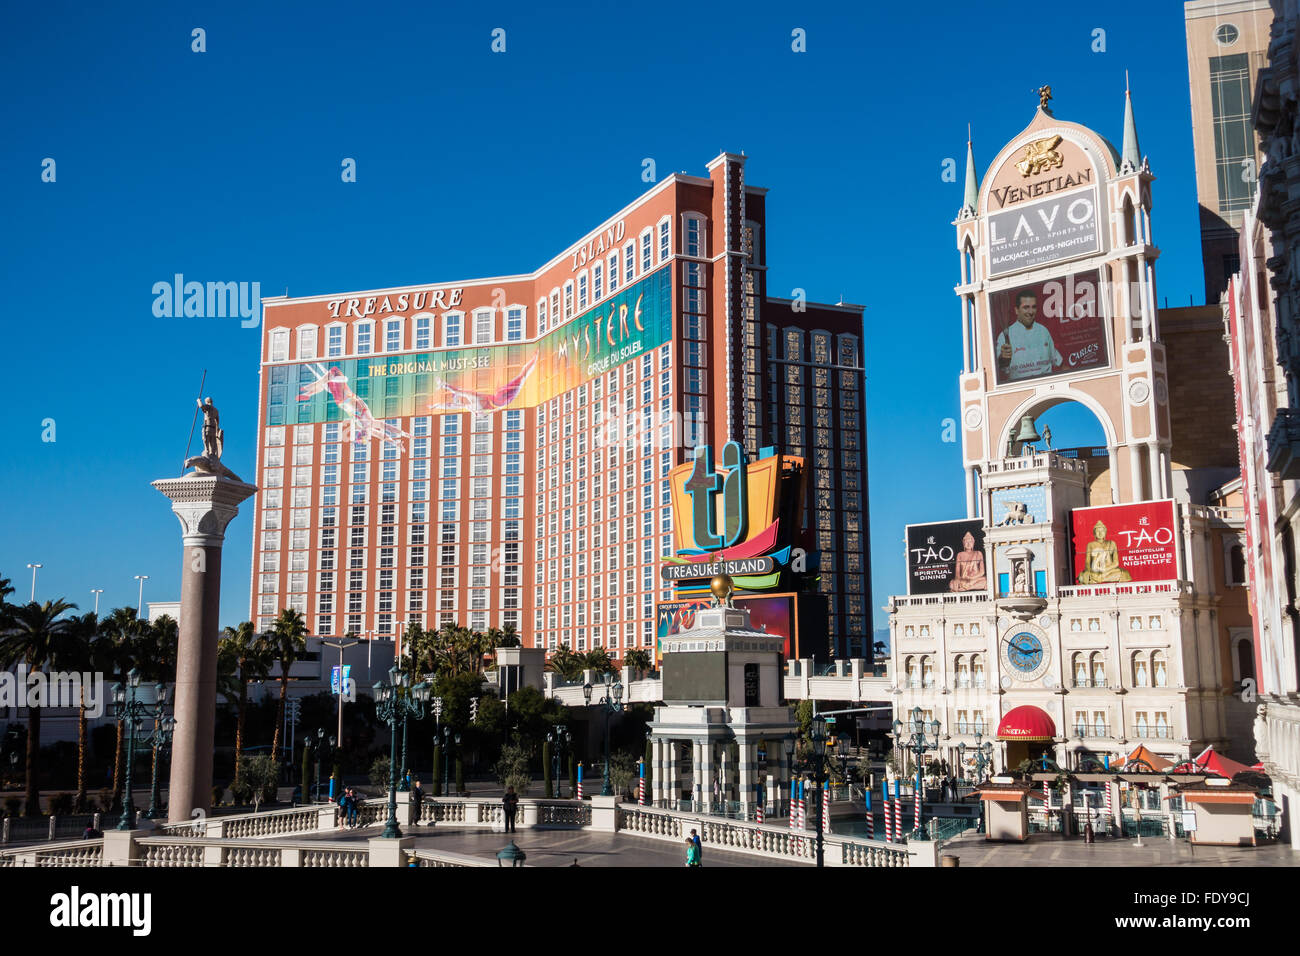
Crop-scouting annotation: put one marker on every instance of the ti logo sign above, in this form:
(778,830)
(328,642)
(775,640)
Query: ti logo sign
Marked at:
(704,483)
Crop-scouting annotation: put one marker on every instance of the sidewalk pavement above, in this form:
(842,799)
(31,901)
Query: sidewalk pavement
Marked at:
(1053,850)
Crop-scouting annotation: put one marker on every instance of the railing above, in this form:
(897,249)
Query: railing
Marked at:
(33,829)
(1092,730)
(441,858)
(945,828)
(757,839)
(1100,590)
(1085,682)
(79,853)
(193,852)
(1159,733)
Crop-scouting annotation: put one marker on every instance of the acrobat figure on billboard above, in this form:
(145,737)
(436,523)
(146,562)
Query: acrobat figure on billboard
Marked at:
(483,403)
(1025,348)
(968,575)
(358,423)
(1101,560)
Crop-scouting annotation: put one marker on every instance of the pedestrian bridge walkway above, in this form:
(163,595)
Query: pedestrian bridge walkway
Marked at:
(849,680)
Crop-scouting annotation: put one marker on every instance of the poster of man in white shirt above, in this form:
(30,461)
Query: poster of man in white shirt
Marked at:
(1050,328)
(1025,348)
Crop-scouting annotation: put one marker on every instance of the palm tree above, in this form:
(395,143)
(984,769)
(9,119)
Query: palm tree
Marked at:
(288,642)
(74,653)
(243,655)
(638,660)
(598,660)
(115,651)
(158,664)
(566,663)
(34,632)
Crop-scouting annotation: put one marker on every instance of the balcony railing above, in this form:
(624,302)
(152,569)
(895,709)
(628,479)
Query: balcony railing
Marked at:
(1092,730)
(1159,733)
(1098,682)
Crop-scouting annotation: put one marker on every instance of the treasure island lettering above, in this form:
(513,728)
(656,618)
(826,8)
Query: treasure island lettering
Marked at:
(736,567)
(1042,188)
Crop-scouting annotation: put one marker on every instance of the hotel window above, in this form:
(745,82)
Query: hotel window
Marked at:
(306,343)
(363,333)
(1141,676)
(483,326)
(422,331)
(515,324)
(279,345)
(694,235)
(597,282)
(1097,666)
(582,290)
(555,307)
(568,300)
(613,272)
(665,239)
(451,328)
(393,335)
(541,316)
(334,341)
(1234,138)
(647,250)
(629,262)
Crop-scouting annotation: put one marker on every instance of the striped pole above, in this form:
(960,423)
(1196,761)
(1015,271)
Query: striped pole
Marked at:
(888,812)
(579,780)
(792,813)
(891,820)
(871,817)
(826,807)
(1110,810)
(640,786)
(898,811)
(916,805)
(759,813)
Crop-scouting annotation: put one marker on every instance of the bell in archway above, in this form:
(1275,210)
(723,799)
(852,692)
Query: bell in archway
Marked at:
(1027,433)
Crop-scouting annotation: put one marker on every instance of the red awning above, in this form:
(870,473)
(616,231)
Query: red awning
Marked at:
(1141,759)
(1210,760)
(1026,723)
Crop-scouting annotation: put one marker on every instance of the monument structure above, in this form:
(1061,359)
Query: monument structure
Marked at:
(204,501)
(722,690)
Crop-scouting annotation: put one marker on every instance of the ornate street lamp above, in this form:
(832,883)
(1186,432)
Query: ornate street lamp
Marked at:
(129,709)
(613,703)
(919,737)
(396,702)
(819,737)
(159,740)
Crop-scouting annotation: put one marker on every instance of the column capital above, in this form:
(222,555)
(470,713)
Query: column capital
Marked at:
(204,505)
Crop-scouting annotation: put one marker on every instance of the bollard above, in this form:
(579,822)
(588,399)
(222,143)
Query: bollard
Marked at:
(949,860)
(53,822)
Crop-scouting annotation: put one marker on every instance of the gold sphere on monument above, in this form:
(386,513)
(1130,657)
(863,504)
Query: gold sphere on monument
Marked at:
(722,587)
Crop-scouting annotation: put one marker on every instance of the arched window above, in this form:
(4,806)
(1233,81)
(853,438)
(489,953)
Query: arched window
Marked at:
(1236,565)
(977,669)
(1097,669)
(1130,222)
(927,671)
(1159,669)
(961,667)
(1141,676)
(1079,668)
(913,672)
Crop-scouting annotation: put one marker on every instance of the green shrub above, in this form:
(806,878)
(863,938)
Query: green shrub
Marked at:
(381,772)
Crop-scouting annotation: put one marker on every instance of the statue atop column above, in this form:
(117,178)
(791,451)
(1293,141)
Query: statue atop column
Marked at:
(209,463)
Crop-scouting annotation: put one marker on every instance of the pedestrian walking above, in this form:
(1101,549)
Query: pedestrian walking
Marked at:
(352,807)
(343,809)
(699,848)
(417,801)
(692,853)
(511,803)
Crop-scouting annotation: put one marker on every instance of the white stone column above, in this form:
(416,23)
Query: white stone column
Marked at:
(1112,458)
(746,774)
(204,505)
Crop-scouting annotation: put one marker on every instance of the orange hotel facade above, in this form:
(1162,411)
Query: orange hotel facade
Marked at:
(495,451)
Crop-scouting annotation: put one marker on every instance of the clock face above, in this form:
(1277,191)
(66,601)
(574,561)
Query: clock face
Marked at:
(1025,651)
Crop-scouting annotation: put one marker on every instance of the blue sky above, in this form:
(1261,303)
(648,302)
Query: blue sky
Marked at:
(225,166)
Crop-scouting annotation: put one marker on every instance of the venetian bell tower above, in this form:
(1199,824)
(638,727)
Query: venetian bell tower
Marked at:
(1061,226)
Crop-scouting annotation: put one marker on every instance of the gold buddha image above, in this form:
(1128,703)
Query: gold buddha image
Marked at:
(1101,560)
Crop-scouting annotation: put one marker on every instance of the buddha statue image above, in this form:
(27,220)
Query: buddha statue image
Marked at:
(968,575)
(1101,560)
